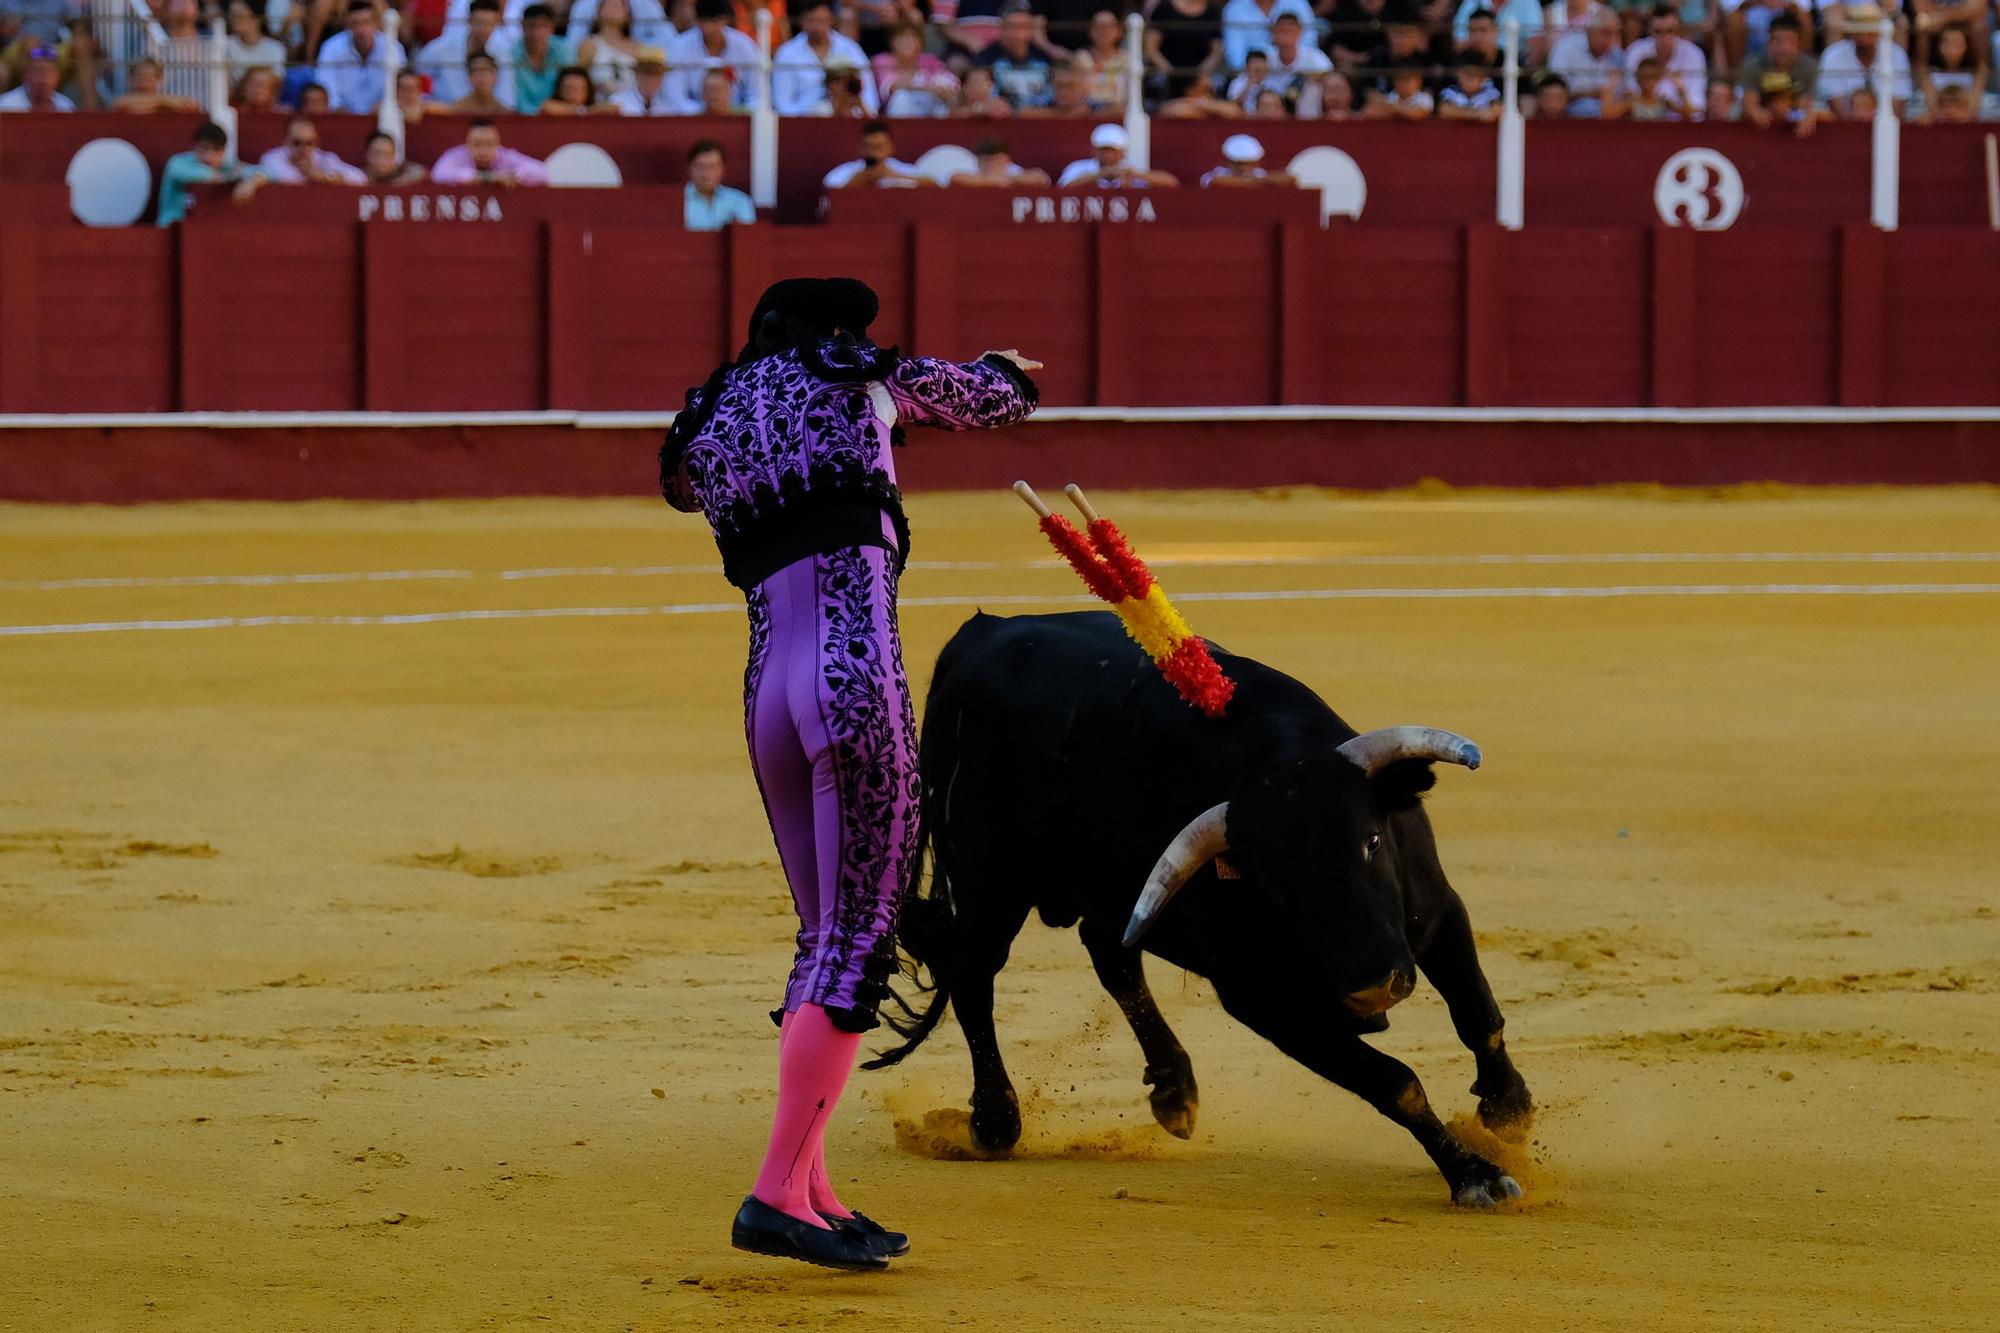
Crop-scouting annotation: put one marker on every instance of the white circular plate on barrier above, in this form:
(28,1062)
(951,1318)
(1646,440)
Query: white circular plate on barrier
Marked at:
(945,161)
(1343,190)
(583,165)
(109,183)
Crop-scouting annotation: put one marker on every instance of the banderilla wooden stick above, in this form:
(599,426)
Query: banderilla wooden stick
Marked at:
(1030,499)
(1075,494)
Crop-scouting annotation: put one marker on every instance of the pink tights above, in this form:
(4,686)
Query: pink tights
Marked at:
(814,1060)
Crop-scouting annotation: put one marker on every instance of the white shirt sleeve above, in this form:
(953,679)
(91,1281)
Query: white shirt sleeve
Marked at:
(840,175)
(798,84)
(1081,169)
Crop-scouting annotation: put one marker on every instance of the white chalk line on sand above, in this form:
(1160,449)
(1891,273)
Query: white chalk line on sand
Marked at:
(1161,562)
(1271,595)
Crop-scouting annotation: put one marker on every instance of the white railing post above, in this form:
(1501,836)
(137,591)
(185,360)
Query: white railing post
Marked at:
(389,116)
(1512,167)
(1888,145)
(764,124)
(217,94)
(1138,125)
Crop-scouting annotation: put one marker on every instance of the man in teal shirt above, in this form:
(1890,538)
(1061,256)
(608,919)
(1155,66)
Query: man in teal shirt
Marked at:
(539,59)
(711,205)
(208,164)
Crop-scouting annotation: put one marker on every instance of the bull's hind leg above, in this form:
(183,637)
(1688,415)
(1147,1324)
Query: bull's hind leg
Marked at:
(1168,1072)
(980,951)
(1451,961)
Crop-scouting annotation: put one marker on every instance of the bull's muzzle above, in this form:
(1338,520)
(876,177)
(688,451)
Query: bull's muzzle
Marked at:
(1383,995)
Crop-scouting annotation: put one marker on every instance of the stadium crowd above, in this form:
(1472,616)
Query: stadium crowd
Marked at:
(1772,62)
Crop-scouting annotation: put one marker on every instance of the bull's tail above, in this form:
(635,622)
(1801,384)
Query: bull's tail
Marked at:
(923,936)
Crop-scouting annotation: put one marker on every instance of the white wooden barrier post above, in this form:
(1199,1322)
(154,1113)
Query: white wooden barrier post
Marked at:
(764,124)
(389,116)
(1888,145)
(1138,125)
(1513,164)
(217,98)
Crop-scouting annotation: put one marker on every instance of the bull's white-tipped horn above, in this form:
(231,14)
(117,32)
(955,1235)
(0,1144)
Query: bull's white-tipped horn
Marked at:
(1204,839)
(1372,751)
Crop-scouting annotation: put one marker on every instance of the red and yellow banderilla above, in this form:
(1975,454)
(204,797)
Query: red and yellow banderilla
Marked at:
(1110,569)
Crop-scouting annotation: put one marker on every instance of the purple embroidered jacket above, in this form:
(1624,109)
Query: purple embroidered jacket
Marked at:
(789,455)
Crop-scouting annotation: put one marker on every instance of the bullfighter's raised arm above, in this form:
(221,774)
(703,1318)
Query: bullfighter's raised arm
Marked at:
(993,391)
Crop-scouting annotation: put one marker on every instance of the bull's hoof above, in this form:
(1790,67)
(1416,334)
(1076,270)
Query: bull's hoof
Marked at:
(996,1121)
(1174,1100)
(1508,1111)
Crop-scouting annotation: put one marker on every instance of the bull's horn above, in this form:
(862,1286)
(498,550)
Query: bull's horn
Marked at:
(1374,750)
(1204,839)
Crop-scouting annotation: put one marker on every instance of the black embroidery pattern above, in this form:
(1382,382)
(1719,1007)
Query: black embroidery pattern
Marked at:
(989,392)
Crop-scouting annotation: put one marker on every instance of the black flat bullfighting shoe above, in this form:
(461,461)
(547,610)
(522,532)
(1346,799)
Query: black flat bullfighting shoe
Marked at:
(892,1244)
(762,1229)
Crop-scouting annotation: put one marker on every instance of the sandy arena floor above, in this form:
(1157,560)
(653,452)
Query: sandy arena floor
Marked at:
(413,975)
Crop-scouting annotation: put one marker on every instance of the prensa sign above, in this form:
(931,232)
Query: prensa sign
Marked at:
(1029,208)
(430,208)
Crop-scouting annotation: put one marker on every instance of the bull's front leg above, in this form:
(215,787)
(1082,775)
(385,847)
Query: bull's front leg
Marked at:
(1451,962)
(1317,1039)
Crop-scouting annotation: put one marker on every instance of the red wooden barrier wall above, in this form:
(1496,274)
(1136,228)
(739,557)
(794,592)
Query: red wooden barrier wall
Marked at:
(386,316)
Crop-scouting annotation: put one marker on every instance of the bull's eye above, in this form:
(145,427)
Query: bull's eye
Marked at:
(1369,849)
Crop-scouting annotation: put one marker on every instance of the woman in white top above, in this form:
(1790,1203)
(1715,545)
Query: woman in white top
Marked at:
(1951,59)
(610,52)
(250,44)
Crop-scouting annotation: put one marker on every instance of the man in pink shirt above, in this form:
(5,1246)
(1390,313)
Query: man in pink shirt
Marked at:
(301,161)
(480,160)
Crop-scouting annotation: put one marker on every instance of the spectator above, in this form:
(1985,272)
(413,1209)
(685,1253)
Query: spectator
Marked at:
(1650,98)
(998,169)
(1069,95)
(1200,102)
(1247,25)
(1270,104)
(1359,27)
(1406,99)
(313,100)
(540,57)
(27,25)
(482,98)
(250,42)
(911,81)
(383,164)
(1022,73)
(877,166)
(575,95)
(1950,60)
(1471,94)
(1955,105)
(798,75)
(1570,16)
(257,90)
(1336,97)
(843,94)
(445,61)
(611,51)
(480,160)
(1849,63)
(1407,48)
(1241,155)
(1107,167)
(144,95)
(37,91)
(649,25)
(1785,103)
(1482,38)
(970,26)
(1296,64)
(184,52)
(1184,42)
(1783,54)
(712,44)
(1746,27)
(977,96)
(1590,64)
(1103,60)
(648,94)
(1551,97)
(354,63)
(409,95)
(1933,16)
(1861,106)
(1528,13)
(707,204)
(299,160)
(208,163)
(718,95)
(1683,68)
(1245,87)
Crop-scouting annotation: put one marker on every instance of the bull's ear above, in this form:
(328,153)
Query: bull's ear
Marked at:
(1400,785)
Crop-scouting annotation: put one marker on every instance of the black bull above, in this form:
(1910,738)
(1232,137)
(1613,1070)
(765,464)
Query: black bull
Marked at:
(1058,766)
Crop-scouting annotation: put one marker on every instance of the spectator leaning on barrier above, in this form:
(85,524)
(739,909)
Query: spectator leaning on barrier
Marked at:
(1241,159)
(1653,98)
(1022,73)
(1107,168)
(1069,96)
(1849,63)
(1245,88)
(313,101)
(207,163)
(648,94)
(383,163)
(911,81)
(708,204)
(998,170)
(1336,97)
(257,90)
(1951,60)
(977,96)
(1683,68)
(712,43)
(1406,98)
(1247,24)
(1405,48)
(1721,106)
(299,160)
(1551,96)
(1471,94)
(798,73)
(37,91)
(718,95)
(482,98)
(444,61)
(540,57)
(1590,63)
(1200,102)
(1784,53)
(481,160)
(354,63)
(843,94)
(144,94)
(576,95)
(877,166)
(410,96)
